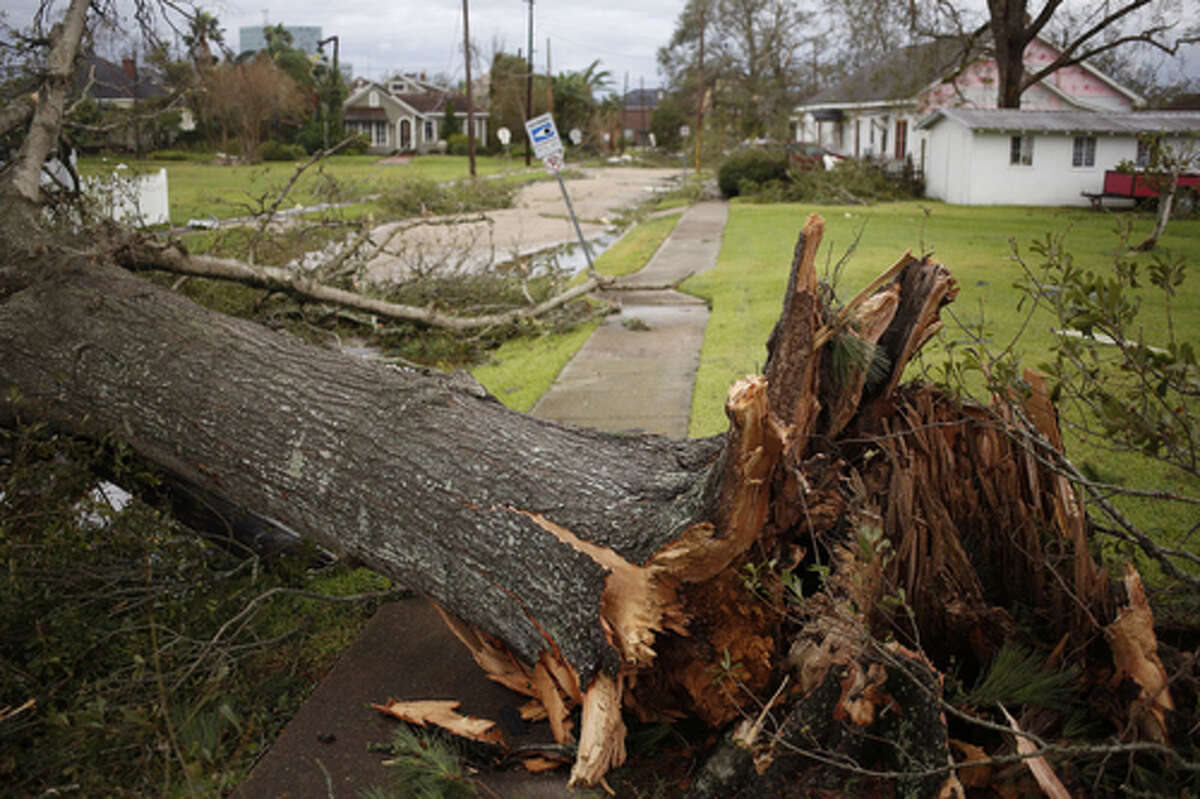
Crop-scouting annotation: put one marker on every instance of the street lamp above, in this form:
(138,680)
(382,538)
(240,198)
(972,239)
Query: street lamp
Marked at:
(333,77)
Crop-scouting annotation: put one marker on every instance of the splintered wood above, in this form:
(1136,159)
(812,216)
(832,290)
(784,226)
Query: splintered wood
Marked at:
(444,714)
(889,490)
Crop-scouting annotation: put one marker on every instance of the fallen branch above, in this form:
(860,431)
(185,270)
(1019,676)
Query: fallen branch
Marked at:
(141,255)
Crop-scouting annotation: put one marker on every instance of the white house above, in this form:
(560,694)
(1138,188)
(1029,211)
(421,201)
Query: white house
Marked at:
(1027,157)
(406,115)
(874,111)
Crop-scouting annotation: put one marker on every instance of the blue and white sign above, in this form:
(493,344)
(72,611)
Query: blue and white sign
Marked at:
(543,136)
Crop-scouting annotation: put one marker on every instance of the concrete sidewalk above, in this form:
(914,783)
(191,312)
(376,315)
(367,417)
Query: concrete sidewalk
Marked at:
(623,378)
(637,371)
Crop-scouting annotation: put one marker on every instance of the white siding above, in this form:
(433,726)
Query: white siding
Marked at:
(968,168)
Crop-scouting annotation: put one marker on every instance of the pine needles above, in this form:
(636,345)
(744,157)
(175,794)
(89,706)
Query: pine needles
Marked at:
(426,766)
(1019,676)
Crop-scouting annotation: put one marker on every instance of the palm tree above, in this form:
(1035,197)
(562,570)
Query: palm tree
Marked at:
(203,29)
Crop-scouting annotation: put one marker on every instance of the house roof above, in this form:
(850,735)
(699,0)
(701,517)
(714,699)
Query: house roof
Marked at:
(364,113)
(903,75)
(899,75)
(643,98)
(423,103)
(1011,119)
(434,102)
(109,81)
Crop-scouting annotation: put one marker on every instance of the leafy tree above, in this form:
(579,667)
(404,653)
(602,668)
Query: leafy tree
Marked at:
(506,92)
(204,31)
(669,115)
(575,95)
(753,59)
(450,123)
(243,98)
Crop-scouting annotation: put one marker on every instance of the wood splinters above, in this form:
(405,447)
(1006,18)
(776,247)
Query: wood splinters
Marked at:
(1135,654)
(601,733)
(444,713)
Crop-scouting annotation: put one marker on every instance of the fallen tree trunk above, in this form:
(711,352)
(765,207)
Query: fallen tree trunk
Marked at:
(594,570)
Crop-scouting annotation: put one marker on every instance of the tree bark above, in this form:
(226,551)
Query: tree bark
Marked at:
(581,568)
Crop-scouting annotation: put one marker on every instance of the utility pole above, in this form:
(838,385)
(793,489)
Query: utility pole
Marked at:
(470,94)
(549,80)
(529,87)
(700,90)
(624,111)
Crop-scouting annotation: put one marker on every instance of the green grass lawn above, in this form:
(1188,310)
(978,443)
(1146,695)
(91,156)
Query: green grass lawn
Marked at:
(201,189)
(746,288)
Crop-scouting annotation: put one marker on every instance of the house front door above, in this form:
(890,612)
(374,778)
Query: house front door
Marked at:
(405,134)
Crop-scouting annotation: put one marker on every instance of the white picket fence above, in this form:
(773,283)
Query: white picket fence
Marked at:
(132,199)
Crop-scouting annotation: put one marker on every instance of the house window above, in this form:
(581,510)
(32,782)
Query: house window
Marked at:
(379,132)
(1084,151)
(901,138)
(1021,151)
(429,130)
(373,99)
(1145,144)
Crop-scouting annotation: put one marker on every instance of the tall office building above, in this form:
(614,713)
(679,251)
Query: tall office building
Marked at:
(304,37)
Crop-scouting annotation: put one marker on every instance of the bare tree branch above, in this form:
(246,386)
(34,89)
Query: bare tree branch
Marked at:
(140,254)
(47,118)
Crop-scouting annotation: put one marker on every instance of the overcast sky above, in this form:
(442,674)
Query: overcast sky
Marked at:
(381,38)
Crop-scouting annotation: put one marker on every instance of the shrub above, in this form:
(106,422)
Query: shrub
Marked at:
(745,170)
(278,151)
(456,143)
(358,145)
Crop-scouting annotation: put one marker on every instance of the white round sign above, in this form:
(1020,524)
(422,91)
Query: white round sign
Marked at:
(554,162)
(684,131)
(504,135)
(576,136)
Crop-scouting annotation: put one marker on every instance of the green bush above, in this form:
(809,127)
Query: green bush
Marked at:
(456,144)
(358,145)
(278,151)
(745,170)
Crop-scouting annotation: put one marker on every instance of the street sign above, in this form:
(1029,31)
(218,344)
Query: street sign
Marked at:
(544,136)
(554,163)
(684,131)
(504,135)
(576,136)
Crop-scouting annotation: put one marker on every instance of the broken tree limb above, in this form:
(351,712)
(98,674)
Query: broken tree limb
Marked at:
(141,255)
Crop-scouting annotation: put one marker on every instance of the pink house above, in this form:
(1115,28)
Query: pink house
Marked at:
(875,111)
